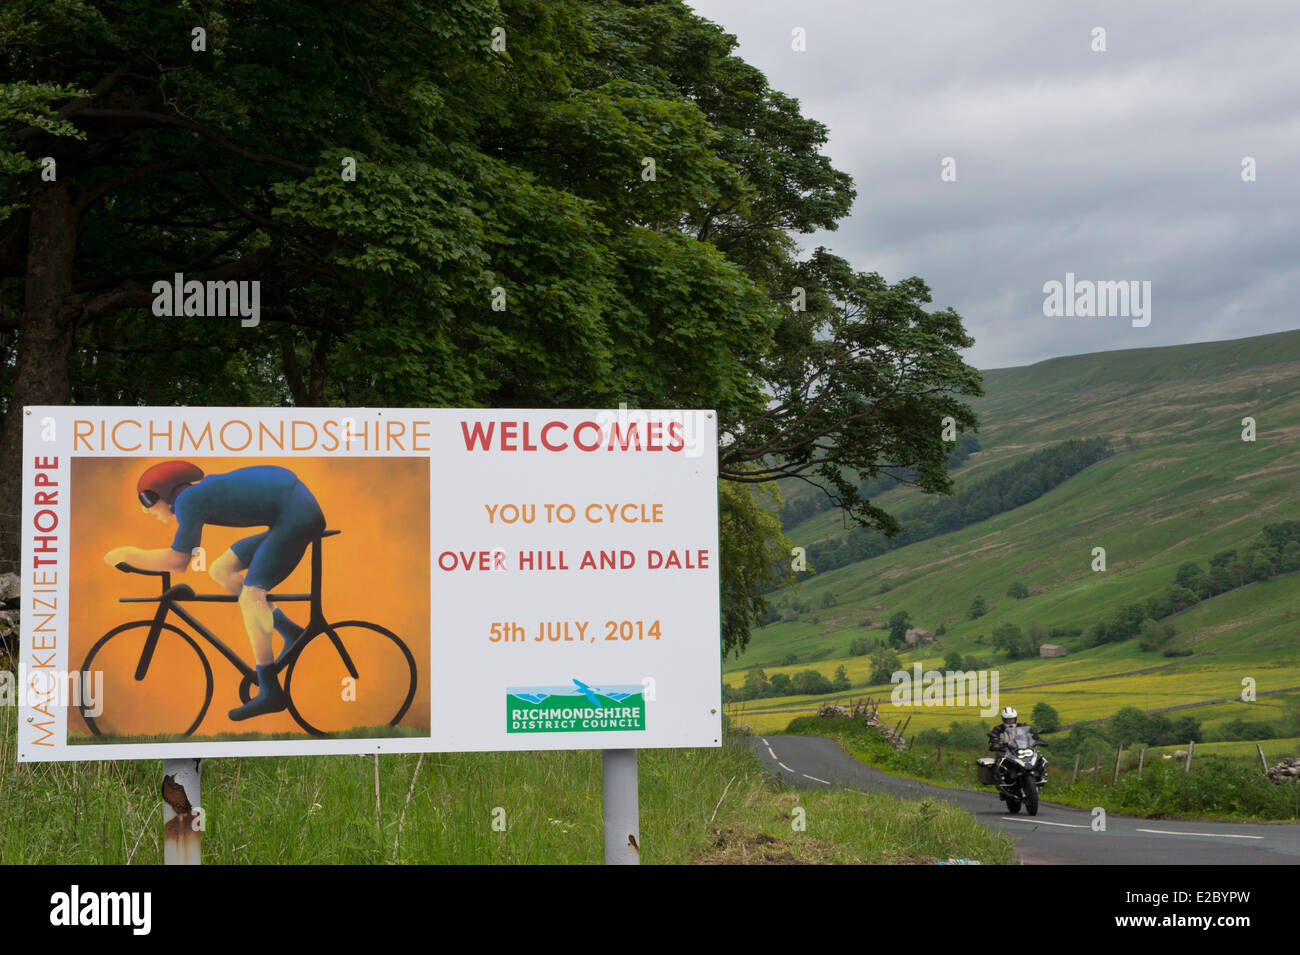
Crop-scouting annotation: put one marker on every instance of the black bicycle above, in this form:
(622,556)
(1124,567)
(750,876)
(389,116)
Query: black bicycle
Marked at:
(316,668)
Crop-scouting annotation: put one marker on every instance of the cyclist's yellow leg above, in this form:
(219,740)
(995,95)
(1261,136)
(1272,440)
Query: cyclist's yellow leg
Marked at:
(228,572)
(259,621)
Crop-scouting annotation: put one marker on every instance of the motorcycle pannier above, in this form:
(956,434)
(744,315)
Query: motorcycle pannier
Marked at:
(984,770)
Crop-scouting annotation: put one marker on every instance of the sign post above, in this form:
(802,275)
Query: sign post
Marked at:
(183,821)
(622,809)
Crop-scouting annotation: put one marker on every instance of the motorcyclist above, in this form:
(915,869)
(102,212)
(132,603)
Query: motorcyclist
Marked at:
(1000,735)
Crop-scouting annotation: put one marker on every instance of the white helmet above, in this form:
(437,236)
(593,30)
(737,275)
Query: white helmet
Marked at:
(1009,716)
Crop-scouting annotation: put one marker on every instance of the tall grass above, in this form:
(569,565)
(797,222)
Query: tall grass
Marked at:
(441,808)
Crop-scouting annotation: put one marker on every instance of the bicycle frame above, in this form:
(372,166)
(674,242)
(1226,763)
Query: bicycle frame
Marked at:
(171,598)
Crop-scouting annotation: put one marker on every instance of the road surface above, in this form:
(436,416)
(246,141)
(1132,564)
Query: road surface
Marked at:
(1058,835)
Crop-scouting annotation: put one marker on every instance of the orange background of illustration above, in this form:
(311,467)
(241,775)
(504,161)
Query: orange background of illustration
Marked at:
(376,570)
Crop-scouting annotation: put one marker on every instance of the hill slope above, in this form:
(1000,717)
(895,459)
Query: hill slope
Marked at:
(1184,486)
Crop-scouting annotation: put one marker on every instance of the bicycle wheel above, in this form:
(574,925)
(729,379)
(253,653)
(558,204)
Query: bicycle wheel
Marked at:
(353,676)
(162,701)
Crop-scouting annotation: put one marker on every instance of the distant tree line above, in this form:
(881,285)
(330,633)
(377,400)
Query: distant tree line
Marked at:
(1129,726)
(1005,490)
(804,683)
(799,509)
(1275,550)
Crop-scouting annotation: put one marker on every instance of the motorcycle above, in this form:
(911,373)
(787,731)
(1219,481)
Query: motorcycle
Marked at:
(1019,774)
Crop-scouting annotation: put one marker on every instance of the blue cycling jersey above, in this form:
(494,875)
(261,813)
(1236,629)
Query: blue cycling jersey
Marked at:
(257,496)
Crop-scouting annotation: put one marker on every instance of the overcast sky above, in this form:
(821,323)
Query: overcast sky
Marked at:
(1116,165)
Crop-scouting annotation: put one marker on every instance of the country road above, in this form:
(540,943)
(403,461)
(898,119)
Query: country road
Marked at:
(1058,835)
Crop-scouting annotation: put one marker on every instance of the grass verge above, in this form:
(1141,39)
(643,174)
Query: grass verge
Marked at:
(506,808)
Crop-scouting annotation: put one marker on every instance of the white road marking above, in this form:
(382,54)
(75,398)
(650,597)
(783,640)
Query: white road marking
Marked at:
(1044,822)
(784,766)
(1209,835)
(814,779)
(771,752)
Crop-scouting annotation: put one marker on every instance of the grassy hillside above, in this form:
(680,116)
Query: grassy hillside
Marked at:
(1183,486)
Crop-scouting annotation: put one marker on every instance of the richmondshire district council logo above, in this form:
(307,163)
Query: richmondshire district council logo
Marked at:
(574,709)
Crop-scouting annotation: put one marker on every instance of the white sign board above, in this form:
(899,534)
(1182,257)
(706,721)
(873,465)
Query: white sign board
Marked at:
(253,581)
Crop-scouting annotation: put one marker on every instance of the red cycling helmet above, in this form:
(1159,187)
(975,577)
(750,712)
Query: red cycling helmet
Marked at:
(165,481)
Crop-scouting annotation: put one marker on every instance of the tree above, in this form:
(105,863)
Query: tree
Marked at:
(1223,558)
(1180,598)
(1189,575)
(967,734)
(1152,637)
(1018,590)
(858,647)
(1044,718)
(1129,725)
(1009,637)
(841,681)
(753,558)
(899,624)
(977,608)
(952,661)
(476,171)
(884,664)
(755,685)
(1126,622)
(1186,729)
(790,659)
(780,685)
(810,683)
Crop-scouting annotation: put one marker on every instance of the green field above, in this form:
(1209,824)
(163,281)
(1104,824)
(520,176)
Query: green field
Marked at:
(1183,486)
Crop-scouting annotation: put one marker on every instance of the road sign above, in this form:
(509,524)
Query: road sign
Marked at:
(382,580)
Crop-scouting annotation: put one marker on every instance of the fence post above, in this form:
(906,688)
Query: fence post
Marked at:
(906,724)
(1263,762)
(1141,756)
(1118,753)
(1096,765)
(1075,777)
(1190,746)
(938,753)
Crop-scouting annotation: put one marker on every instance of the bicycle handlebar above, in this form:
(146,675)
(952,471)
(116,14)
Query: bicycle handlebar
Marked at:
(126,568)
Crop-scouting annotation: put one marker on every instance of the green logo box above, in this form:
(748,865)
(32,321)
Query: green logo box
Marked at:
(575,709)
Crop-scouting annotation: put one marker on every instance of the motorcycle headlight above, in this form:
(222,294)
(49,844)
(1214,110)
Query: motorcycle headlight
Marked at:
(1026,753)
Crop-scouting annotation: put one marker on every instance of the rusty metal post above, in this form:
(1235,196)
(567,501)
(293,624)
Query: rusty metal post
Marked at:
(183,821)
(622,810)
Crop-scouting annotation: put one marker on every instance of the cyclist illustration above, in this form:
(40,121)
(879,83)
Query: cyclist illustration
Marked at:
(247,497)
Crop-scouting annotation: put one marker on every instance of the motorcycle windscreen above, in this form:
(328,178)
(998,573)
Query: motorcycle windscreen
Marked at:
(1022,738)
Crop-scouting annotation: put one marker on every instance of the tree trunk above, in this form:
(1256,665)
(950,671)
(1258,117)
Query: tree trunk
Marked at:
(50,311)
